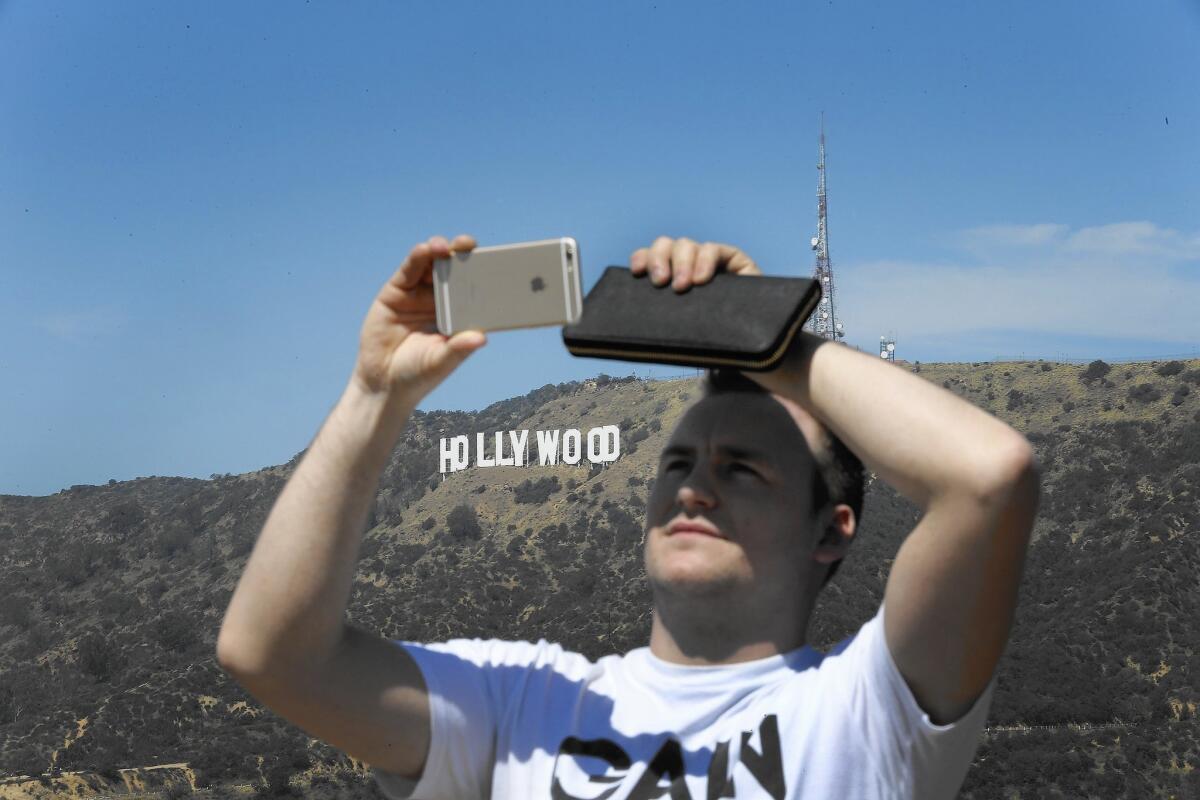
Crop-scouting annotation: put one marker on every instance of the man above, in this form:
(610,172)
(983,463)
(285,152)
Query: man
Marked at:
(741,532)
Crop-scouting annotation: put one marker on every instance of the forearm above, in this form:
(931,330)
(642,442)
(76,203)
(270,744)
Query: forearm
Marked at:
(920,438)
(289,606)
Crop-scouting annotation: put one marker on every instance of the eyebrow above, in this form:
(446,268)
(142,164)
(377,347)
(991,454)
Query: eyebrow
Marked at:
(730,450)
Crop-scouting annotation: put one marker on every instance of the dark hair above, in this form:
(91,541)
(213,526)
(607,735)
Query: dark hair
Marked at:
(843,478)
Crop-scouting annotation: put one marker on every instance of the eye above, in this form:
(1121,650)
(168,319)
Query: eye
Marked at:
(674,464)
(738,466)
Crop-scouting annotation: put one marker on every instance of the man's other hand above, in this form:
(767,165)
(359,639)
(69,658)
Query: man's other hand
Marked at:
(400,349)
(684,262)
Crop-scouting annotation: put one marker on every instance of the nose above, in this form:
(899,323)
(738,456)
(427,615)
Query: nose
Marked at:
(693,495)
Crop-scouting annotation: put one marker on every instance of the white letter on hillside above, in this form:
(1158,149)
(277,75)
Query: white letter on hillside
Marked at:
(480,460)
(604,444)
(500,459)
(573,441)
(547,447)
(520,445)
(454,453)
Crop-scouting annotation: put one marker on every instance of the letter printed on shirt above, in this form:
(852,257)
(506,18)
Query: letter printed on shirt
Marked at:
(667,763)
(766,766)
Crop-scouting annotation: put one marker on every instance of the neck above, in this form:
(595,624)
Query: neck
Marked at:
(708,631)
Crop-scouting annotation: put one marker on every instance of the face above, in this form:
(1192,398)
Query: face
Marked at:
(732,505)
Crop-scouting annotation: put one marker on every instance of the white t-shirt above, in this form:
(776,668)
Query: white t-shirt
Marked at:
(523,721)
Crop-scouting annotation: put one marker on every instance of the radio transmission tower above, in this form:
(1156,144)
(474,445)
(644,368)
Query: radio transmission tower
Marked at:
(824,321)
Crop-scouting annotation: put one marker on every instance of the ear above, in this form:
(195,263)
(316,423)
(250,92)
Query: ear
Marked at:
(839,533)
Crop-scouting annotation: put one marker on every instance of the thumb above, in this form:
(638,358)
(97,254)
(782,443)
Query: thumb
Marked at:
(455,350)
(466,342)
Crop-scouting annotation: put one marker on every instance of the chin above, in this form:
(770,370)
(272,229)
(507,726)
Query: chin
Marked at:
(692,579)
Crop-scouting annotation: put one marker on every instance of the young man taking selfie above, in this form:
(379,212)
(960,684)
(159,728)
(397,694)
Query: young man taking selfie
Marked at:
(755,503)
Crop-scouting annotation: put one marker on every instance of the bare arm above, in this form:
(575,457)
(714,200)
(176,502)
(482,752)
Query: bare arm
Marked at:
(284,636)
(952,590)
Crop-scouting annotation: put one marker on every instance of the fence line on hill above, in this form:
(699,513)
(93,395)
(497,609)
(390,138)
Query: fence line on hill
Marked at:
(1065,359)
(1083,727)
(1060,358)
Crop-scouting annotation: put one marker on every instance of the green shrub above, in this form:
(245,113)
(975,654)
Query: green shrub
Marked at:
(70,568)
(536,491)
(369,548)
(173,541)
(1095,371)
(1170,368)
(98,656)
(1144,393)
(15,612)
(177,790)
(175,630)
(463,522)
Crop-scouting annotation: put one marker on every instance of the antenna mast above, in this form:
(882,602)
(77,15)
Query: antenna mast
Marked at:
(824,321)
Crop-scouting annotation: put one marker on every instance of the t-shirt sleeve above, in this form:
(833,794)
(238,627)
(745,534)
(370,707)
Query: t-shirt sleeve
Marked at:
(931,759)
(468,681)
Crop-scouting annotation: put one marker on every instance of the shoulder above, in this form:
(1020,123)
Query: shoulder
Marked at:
(498,654)
(863,667)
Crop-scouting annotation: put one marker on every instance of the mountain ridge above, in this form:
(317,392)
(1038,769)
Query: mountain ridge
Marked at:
(113,593)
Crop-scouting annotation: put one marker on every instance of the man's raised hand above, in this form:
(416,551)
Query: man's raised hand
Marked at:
(400,351)
(684,262)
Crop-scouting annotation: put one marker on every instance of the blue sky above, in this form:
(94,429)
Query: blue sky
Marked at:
(198,202)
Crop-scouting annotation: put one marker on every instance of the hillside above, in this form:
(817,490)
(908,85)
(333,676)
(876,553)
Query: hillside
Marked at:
(110,596)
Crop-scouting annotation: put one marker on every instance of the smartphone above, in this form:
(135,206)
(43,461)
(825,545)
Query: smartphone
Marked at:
(523,285)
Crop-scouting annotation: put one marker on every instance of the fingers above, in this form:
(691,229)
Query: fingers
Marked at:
(418,267)
(639,261)
(455,350)
(466,342)
(707,260)
(683,263)
(660,260)
(736,261)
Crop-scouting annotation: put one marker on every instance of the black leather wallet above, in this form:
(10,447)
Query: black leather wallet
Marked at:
(744,322)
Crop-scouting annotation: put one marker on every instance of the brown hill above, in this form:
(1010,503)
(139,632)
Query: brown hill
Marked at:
(110,596)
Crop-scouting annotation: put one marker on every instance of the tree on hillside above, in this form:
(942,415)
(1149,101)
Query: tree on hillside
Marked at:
(1144,393)
(98,656)
(463,522)
(1094,371)
(534,492)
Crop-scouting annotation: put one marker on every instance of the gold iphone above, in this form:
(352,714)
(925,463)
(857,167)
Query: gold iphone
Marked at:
(523,285)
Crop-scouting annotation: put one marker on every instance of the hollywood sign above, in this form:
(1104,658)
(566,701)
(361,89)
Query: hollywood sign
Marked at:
(603,444)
